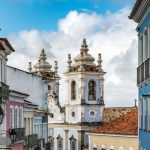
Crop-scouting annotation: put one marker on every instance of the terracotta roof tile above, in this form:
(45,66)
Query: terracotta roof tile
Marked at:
(112,113)
(126,124)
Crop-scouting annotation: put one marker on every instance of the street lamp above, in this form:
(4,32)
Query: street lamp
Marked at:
(1,115)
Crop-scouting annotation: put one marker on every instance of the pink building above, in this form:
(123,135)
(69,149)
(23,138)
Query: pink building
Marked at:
(14,119)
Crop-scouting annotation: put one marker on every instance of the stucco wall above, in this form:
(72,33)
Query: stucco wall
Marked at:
(24,82)
(98,140)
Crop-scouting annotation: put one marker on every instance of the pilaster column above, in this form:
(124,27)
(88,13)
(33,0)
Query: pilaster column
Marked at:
(66,139)
(79,140)
(82,91)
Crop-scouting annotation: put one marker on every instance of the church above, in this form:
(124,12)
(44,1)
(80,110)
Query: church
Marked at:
(84,104)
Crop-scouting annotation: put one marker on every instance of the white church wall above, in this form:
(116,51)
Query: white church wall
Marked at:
(57,116)
(77,111)
(25,82)
(56,133)
(88,111)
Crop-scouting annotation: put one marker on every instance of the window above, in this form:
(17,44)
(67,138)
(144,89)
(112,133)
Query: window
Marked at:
(11,118)
(121,148)
(72,143)
(103,147)
(131,148)
(92,90)
(21,118)
(145,43)
(25,126)
(49,88)
(28,126)
(73,114)
(51,143)
(73,90)
(32,126)
(16,118)
(112,147)
(59,143)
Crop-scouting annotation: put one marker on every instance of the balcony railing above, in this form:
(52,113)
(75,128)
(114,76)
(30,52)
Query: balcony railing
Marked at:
(143,71)
(4,92)
(19,134)
(31,141)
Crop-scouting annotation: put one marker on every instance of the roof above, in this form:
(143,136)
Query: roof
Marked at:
(25,94)
(135,8)
(30,103)
(125,125)
(112,113)
(139,10)
(7,43)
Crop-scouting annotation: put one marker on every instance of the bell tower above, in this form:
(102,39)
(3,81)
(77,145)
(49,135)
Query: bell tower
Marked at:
(84,88)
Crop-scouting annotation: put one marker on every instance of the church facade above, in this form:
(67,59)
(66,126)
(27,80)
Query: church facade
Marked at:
(83,110)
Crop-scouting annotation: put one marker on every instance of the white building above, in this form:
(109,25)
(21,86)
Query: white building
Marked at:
(84,103)
(36,84)
(5,50)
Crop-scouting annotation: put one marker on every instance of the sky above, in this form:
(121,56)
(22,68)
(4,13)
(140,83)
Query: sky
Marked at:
(59,26)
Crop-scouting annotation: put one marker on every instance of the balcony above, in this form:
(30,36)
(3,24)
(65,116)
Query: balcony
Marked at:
(30,141)
(143,72)
(4,92)
(18,134)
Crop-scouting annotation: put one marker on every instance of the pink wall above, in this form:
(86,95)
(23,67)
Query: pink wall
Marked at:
(17,146)
(19,104)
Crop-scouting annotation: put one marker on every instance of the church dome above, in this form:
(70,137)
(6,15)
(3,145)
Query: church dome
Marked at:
(42,65)
(84,57)
(84,61)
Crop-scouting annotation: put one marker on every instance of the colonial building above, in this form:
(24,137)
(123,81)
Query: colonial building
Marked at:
(84,103)
(14,121)
(5,50)
(141,15)
(30,136)
(119,134)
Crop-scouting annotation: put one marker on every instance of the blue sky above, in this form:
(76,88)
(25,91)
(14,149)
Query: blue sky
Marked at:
(17,15)
(65,23)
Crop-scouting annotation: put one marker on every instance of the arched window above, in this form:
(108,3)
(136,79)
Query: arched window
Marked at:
(94,147)
(73,90)
(131,148)
(72,143)
(59,143)
(121,148)
(103,147)
(50,143)
(49,88)
(112,147)
(92,90)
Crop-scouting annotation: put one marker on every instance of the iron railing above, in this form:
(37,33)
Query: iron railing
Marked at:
(143,71)
(19,134)
(4,92)
(31,141)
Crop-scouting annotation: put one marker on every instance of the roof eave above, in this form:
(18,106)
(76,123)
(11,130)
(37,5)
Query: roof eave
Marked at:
(135,8)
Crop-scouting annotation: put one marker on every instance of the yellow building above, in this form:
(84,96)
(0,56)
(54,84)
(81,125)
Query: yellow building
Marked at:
(120,134)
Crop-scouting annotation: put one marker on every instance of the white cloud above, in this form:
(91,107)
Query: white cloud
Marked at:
(112,34)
